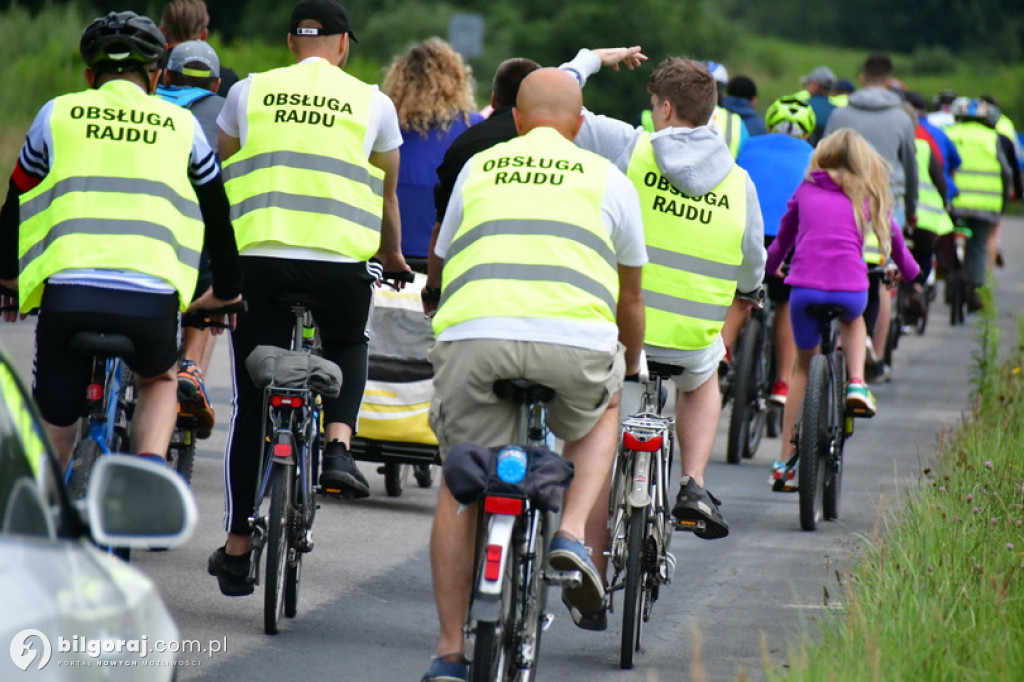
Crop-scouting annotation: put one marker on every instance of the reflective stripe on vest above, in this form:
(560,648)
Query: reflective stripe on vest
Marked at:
(302,177)
(979,177)
(931,209)
(120,162)
(695,249)
(514,255)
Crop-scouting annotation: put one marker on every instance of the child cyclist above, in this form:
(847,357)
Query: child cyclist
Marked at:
(845,195)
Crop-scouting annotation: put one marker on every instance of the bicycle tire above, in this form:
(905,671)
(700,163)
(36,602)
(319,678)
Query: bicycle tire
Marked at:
(810,442)
(745,421)
(633,594)
(282,487)
(833,482)
(82,461)
(955,295)
(185,460)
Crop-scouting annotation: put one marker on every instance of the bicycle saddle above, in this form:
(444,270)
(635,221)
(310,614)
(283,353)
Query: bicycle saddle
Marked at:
(307,301)
(519,391)
(826,311)
(100,344)
(662,370)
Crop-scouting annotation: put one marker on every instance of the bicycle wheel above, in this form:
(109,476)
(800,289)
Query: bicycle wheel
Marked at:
(747,420)
(633,595)
(833,482)
(282,489)
(185,453)
(82,461)
(955,296)
(811,443)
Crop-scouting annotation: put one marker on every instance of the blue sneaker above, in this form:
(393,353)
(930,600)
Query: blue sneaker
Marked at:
(441,670)
(569,554)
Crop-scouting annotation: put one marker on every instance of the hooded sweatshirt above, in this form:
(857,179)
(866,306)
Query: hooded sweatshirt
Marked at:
(878,115)
(745,108)
(695,160)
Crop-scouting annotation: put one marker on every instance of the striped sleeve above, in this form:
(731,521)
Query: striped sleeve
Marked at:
(34,159)
(203,164)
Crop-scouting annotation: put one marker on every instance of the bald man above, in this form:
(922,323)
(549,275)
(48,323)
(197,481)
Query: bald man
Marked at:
(538,266)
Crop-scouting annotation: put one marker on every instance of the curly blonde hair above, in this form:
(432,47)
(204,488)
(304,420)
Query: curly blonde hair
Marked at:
(430,85)
(864,177)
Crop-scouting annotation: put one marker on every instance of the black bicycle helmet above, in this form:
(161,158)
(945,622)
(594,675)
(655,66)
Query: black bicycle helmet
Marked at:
(122,41)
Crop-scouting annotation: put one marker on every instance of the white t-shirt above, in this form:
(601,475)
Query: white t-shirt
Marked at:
(383,134)
(620,213)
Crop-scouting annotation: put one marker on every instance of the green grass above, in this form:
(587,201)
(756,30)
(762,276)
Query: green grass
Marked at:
(939,595)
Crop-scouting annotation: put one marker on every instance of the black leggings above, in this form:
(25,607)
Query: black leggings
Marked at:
(344,292)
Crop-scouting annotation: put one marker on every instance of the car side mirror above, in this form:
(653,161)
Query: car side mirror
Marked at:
(135,503)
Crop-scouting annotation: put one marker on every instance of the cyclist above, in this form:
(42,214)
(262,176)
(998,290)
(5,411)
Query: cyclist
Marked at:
(777,163)
(729,125)
(564,243)
(190,80)
(184,20)
(825,232)
(741,95)
(984,180)
(687,181)
(817,93)
(114,188)
(311,160)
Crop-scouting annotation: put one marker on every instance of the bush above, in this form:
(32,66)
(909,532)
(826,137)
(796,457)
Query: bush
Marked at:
(932,59)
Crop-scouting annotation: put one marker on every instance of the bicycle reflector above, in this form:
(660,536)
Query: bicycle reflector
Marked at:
(510,506)
(492,567)
(282,449)
(94,392)
(631,442)
(292,401)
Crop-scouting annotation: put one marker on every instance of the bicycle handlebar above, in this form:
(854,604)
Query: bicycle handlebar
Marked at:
(200,319)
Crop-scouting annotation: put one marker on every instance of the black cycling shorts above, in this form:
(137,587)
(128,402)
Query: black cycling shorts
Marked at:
(62,376)
(778,291)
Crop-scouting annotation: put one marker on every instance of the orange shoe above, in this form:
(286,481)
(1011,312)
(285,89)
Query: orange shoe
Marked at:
(192,399)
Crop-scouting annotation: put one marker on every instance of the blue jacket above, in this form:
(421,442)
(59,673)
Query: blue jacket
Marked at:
(776,164)
(742,106)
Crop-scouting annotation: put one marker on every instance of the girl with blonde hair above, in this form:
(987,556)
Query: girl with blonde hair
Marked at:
(844,199)
(432,89)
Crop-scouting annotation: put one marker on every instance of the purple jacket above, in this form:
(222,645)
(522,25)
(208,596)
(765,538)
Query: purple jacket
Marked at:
(828,251)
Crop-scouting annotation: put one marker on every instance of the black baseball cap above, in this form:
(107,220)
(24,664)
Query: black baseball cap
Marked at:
(330,14)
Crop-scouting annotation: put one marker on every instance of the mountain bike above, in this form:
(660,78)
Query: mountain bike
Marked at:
(754,372)
(508,606)
(824,425)
(288,469)
(640,511)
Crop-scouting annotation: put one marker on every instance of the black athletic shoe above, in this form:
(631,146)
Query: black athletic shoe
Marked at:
(340,473)
(694,503)
(232,573)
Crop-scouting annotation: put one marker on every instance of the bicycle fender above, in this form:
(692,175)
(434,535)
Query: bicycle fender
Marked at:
(640,493)
(487,601)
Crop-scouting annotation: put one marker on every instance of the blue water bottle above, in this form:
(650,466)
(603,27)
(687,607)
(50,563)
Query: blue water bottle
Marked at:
(511,464)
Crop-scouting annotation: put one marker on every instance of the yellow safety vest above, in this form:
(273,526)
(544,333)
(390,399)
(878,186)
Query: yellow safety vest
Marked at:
(729,126)
(694,247)
(872,253)
(26,425)
(117,195)
(302,177)
(979,177)
(931,209)
(531,242)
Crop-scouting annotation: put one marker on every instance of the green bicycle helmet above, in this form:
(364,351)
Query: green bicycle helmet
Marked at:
(122,41)
(791,116)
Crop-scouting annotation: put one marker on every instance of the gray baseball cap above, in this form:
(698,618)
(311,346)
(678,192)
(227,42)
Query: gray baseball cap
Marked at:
(194,58)
(821,75)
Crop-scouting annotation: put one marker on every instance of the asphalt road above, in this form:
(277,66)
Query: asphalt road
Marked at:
(366,609)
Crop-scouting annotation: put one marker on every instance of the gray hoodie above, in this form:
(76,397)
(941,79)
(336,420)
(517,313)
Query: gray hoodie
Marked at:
(695,160)
(878,115)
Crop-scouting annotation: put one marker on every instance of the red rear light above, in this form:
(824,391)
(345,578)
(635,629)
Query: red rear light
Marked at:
(631,442)
(286,401)
(492,568)
(510,506)
(282,449)
(94,392)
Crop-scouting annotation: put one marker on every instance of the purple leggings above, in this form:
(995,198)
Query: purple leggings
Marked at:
(806,327)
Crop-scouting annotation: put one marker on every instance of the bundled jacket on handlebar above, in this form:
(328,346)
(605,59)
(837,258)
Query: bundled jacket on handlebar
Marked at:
(470,470)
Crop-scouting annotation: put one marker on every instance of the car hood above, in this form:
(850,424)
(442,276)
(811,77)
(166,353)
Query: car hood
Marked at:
(66,588)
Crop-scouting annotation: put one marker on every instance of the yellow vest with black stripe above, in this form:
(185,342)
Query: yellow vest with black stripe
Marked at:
(730,126)
(117,195)
(302,178)
(531,242)
(694,247)
(979,177)
(931,209)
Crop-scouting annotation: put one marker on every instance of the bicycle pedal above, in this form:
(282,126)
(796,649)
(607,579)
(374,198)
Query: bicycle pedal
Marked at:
(690,525)
(785,488)
(565,579)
